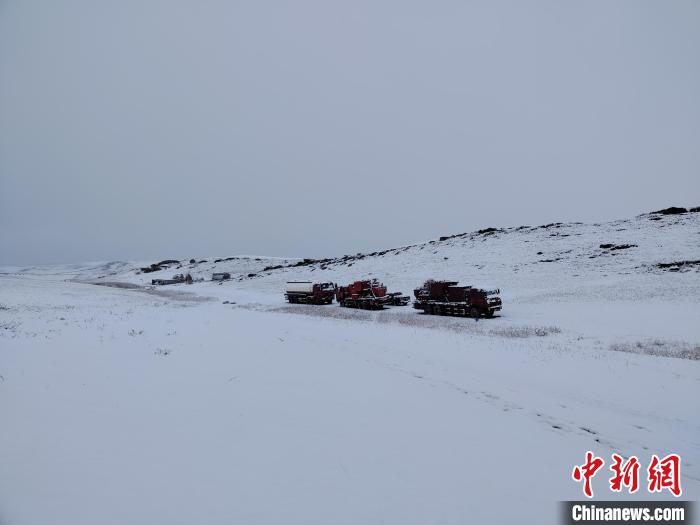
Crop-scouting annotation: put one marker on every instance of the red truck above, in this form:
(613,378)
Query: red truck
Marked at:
(368,295)
(447,298)
(306,292)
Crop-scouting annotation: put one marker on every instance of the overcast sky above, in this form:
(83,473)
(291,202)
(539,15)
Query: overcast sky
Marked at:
(157,129)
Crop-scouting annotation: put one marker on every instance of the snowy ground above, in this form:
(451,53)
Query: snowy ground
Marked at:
(139,405)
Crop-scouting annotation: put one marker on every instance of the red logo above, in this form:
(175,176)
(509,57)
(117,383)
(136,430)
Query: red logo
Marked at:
(662,473)
(626,474)
(665,474)
(587,471)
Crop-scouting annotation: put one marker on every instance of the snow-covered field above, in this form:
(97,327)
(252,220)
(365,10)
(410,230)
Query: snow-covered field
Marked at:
(132,404)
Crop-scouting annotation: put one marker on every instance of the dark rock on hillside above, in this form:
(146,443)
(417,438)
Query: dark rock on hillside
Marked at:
(673,210)
(678,265)
(304,262)
(617,246)
(162,265)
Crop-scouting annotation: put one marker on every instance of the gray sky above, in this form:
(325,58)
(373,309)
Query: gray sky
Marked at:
(140,130)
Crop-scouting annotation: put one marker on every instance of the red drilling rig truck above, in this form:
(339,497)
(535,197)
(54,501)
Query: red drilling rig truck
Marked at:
(306,292)
(368,295)
(447,298)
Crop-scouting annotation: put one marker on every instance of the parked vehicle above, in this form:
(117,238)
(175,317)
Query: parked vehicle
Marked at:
(307,292)
(162,282)
(223,276)
(177,279)
(368,295)
(447,298)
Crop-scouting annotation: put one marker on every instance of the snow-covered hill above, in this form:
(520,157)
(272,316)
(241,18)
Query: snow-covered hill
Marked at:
(609,259)
(561,267)
(553,259)
(222,397)
(594,278)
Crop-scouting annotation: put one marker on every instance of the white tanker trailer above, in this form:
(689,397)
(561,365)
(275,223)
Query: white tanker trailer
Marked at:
(307,292)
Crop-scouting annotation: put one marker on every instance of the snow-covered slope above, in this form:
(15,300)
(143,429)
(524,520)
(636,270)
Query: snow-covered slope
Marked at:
(590,264)
(222,397)
(540,262)
(559,259)
(131,272)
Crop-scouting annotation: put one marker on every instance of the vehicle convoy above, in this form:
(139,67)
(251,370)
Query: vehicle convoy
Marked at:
(306,292)
(368,295)
(447,298)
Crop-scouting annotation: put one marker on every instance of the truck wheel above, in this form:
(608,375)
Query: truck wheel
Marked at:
(489,314)
(474,312)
